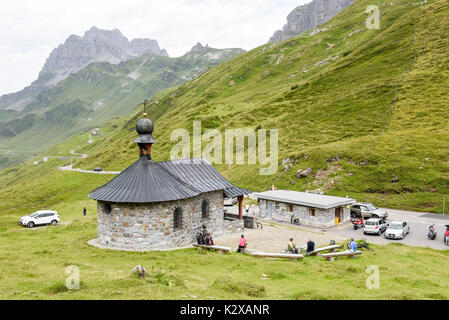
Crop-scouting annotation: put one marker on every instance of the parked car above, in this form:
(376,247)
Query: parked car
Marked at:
(230,201)
(42,217)
(397,230)
(367,210)
(98,170)
(375,226)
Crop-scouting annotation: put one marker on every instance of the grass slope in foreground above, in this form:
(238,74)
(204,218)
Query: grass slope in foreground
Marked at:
(33,264)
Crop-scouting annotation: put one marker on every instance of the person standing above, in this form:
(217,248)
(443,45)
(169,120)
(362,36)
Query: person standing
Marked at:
(247,209)
(310,247)
(84,211)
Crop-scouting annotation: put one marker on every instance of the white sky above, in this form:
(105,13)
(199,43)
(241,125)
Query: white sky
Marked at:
(30,29)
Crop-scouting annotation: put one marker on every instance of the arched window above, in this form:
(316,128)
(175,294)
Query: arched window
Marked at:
(107,208)
(205,210)
(177,219)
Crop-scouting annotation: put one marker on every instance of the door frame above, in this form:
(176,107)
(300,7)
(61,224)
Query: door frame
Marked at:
(338,214)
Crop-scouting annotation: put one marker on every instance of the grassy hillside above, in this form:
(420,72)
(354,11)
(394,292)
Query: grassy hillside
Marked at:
(365,109)
(93,96)
(370,123)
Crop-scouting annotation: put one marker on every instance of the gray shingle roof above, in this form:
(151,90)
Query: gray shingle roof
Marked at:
(305,199)
(147,181)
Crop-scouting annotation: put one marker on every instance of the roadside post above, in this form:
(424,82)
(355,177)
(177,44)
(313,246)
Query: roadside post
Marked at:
(444,204)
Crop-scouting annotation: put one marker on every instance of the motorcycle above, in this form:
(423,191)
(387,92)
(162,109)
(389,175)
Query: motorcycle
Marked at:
(432,234)
(362,244)
(358,224)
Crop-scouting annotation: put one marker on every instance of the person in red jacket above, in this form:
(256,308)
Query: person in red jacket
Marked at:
(446,237)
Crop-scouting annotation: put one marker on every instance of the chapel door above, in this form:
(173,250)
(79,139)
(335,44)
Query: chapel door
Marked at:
(337,216)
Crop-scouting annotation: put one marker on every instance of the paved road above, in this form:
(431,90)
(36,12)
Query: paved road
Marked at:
(418,222)
(83,156)
(70,168)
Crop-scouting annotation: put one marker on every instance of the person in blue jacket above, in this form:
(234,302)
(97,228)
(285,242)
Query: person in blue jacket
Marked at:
(352,246)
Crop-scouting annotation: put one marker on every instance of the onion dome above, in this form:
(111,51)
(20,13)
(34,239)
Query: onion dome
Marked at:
(144,128)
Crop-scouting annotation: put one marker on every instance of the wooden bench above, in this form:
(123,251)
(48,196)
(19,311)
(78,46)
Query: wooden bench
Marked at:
(332,248)
(214,247)
(249,251)
(333,255)
(277,255)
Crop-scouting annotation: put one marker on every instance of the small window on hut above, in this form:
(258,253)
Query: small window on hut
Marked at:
(177,219)
(107,208)
(290,208)
(205,210)
(312,212)
(277,205)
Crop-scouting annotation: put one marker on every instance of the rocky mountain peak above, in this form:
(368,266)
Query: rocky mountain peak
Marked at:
(199,48)
(309,17)
(96,45)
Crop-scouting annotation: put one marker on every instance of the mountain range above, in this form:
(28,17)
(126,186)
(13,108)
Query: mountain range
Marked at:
(76,53)
(89,80)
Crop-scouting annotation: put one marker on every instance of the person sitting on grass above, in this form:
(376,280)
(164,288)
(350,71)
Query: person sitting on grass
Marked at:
(310,247)
(292,247)
(242,245)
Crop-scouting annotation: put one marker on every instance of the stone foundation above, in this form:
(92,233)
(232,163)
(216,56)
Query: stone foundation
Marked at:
(151,226)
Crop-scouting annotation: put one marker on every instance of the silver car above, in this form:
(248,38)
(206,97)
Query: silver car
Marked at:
(397,230)
(375,226)
(367,210)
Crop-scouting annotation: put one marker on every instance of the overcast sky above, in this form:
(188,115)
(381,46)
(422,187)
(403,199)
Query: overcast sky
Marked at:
(30,29)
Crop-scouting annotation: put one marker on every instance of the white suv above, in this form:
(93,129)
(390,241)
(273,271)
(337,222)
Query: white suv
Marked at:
(40,218)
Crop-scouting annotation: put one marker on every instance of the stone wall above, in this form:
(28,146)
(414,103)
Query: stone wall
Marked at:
(323,217)
(249,222)
(151,226)
(233,225)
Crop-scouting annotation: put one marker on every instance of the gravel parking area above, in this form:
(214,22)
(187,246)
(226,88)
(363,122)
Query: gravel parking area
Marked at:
(275,237)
